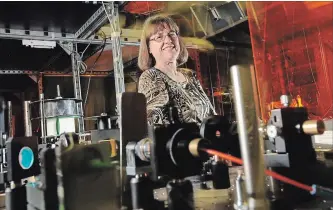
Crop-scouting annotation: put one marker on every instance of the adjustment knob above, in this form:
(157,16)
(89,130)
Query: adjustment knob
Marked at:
(313,127)
(272,131)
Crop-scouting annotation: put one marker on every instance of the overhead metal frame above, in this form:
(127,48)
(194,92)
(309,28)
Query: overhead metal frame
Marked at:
(47,36)
(69,43)
(213,11)
(54,73)
(244,19)
(7,32)
(92,24)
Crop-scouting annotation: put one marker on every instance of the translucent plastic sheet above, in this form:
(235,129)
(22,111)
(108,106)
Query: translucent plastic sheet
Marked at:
(292,48)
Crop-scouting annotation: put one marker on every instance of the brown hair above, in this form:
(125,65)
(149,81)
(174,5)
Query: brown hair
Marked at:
(150,27)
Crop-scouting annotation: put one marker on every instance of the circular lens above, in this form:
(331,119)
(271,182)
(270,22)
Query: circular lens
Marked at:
(26,158)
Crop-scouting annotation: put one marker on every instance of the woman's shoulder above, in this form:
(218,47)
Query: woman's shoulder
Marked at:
(153,75)
(187,72)
(149,74)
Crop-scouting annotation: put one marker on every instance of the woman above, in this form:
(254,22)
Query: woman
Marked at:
(162,82)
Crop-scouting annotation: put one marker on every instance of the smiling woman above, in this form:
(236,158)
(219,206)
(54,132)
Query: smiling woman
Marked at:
(162,82)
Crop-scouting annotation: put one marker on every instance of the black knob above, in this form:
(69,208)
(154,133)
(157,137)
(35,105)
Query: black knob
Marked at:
(220,175)
(142,192)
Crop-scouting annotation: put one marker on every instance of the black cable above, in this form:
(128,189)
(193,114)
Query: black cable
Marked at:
(98,48)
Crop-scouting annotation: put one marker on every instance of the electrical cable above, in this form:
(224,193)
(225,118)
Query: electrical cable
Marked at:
(81,65)
(86,48)
(220,100)
(91,70)
(97,49)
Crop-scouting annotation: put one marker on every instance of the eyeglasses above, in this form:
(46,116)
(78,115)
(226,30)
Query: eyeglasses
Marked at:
(161,37)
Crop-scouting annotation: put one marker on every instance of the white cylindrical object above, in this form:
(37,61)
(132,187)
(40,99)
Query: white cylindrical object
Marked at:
(58,91)
(240,194)
(57,126)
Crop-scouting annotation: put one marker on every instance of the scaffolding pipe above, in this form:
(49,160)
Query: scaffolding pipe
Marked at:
(42,118)
(27,121)
(10,119)
(251,144)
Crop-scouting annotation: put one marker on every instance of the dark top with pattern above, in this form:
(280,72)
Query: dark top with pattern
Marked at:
(161,92)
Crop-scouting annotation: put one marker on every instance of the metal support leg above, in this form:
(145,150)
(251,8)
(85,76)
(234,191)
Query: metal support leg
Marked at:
(113,16)
(112,13)
(40,83)
(77,86)
(71,48)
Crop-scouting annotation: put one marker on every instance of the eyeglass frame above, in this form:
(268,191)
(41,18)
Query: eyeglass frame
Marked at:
(164,36)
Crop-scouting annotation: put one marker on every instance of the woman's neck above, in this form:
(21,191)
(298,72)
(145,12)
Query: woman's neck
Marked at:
(170,68)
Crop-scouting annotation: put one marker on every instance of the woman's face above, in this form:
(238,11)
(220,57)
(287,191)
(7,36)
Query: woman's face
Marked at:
(164,44)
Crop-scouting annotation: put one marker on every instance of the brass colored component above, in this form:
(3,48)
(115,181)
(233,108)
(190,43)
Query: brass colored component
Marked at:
(113,146)
(193,147)
(313,127)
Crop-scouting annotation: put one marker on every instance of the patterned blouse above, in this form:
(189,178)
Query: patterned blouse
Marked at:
(162,92)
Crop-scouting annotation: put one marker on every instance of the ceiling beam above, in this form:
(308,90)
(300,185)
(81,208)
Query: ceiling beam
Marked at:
(95,22)
(54,73)
(17,34)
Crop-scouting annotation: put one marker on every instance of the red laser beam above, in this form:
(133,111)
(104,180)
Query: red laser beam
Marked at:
(268,172)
